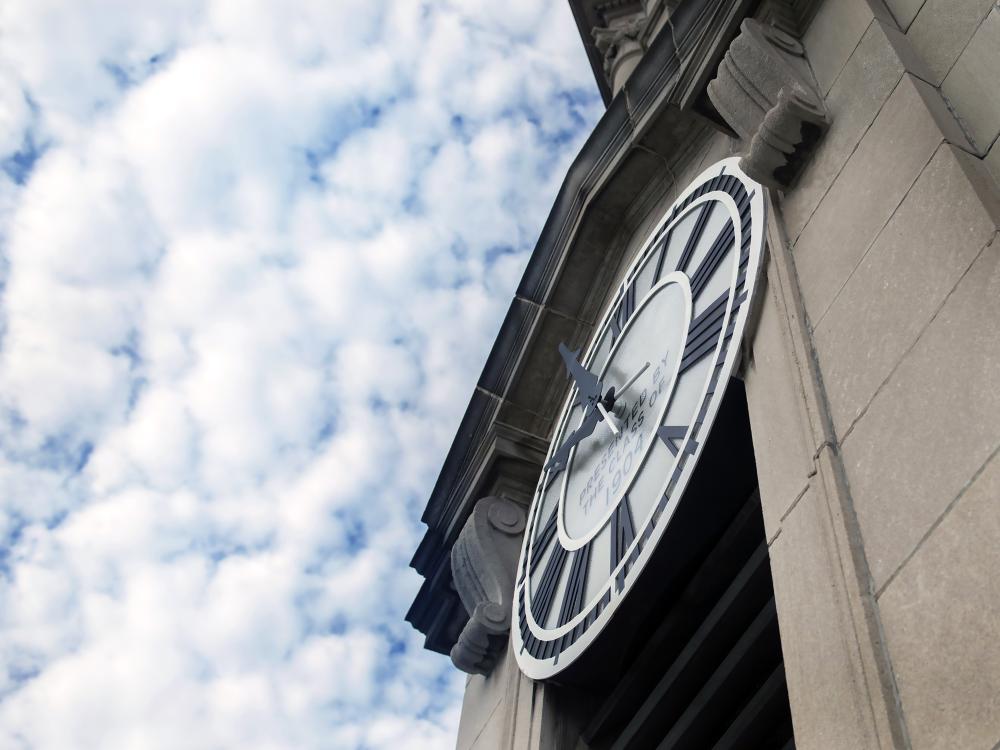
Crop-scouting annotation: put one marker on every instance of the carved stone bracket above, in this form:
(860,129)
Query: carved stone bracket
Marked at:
(483,561)
(622,47)
(766,93)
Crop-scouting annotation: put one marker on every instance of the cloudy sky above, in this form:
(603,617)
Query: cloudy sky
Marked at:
(253,254)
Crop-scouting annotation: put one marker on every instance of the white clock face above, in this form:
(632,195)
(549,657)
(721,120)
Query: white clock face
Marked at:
(643,401)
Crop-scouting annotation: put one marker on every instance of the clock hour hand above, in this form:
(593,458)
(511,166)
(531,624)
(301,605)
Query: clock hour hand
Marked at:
(608,419)
(585,430)
(596,412)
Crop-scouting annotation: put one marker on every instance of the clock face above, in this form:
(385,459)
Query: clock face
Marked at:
(644,397)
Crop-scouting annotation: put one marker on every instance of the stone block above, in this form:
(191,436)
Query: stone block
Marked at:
(866,81)
(973,85)
(941,30)
(780,437)
(832,37)
(992,162)
(720,146)
(493,735)
(913,265)
(483,698)
(941,617)
(829,709)
(865,194)
(933,423)
(904,11)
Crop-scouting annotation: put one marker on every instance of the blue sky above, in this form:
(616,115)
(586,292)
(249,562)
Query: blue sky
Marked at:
(252,257)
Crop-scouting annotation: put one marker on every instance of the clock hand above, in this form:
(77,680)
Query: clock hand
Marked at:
(596,412)
(607,418)
(585,430)
(587,383)
(632,379)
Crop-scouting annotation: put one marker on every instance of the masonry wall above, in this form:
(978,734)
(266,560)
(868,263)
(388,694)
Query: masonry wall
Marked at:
(875,385)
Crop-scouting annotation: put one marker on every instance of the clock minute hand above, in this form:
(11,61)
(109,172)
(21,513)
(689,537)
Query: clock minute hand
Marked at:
(586,382)
(632,379)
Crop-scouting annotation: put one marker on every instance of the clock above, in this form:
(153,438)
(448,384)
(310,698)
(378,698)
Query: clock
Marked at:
(643,399)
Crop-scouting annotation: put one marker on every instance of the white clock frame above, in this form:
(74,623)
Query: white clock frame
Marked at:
(545,652)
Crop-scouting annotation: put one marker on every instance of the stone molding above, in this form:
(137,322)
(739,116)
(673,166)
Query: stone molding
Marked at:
(483,562)
(853,661)
(766,93)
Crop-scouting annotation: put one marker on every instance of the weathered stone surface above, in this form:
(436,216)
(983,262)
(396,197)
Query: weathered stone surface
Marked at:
(502,710)
(765,91)
(780,437)
(483,697)
(904,11)
(621,46)
(483,563)
(973,85)
(865,194)
(719,147)
(932,425)
(941,616)
(829,711)
(492,736)
(941,30)
(832,37)
(915,262)
(864,84)
(992,162)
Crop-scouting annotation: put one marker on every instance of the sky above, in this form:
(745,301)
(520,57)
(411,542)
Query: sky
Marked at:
(253,255)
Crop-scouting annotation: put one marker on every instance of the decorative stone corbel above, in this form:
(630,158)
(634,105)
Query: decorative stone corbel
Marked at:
(483,561)
(621,44)
(765,91)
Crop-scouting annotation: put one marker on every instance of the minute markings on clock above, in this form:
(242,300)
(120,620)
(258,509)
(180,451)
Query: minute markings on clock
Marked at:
(622,535)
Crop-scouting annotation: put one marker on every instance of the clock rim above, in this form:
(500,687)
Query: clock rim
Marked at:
(536,668)
(559,631)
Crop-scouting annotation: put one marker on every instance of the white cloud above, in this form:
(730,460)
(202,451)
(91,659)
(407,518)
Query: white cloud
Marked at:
(253,258)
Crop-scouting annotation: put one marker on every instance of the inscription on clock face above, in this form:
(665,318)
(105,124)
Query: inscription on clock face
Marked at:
(644,396)
(603,467)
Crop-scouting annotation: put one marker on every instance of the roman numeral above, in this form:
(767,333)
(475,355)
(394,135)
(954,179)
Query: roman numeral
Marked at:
(551,477)
(672,437)
(661,256)
(625,309)
(573,598)
(716,253)
(692,241)
(704,333)
(543,540)
(542,598)
(622,536)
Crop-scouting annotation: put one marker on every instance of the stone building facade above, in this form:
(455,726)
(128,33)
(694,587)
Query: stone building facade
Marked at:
(871,372)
